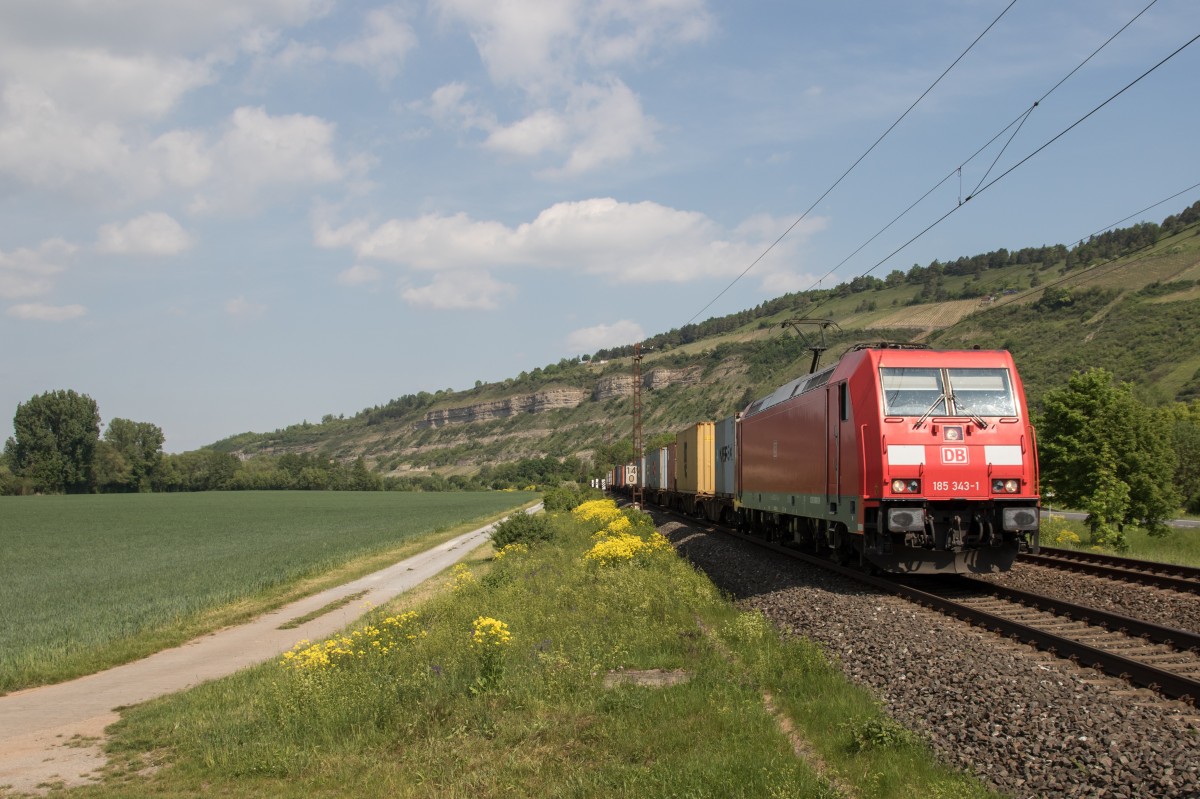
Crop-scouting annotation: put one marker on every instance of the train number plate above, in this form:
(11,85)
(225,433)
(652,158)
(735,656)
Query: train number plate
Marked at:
(955,456)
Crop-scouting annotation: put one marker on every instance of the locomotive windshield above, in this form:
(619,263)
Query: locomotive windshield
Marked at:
(909,391)
(981,392)
(912,391)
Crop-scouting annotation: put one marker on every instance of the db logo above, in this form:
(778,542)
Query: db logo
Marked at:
(954,455)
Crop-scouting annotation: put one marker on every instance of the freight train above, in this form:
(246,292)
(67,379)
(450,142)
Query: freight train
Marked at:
(898,458)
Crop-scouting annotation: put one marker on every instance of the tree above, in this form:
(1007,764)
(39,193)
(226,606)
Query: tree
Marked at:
(1187,452)
(55,442)
(110,470)
(363,480)
(140,444)
(1105,452)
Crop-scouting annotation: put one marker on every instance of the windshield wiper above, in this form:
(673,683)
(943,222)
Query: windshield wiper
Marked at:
(929,412)
(973,417)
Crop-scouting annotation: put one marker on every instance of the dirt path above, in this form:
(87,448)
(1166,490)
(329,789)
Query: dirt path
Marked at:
(53,735)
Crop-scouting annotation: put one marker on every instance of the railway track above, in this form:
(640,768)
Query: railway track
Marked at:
(1161,658)
(1142,572)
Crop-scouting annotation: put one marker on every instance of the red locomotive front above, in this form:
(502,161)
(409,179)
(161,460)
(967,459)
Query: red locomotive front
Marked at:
(913,460)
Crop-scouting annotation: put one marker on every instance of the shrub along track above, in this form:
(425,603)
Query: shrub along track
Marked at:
(1027,722)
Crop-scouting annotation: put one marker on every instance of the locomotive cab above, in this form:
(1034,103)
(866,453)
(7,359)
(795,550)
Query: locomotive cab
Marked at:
(958,471)
(908,460)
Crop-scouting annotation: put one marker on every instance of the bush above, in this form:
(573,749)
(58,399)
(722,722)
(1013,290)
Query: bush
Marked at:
(1058,532)
(563,498)
(12,485)
(522,528)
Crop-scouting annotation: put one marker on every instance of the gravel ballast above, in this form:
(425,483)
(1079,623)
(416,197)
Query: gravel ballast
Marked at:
(1165,607)
(1026,723)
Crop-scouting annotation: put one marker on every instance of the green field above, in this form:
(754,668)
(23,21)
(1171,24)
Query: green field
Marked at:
(86,581)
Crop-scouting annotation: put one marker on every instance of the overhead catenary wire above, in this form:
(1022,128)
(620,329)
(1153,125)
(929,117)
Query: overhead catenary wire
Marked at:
(1019,121)
(851,168)
(1090,273)
(1024,116)
(1021,162)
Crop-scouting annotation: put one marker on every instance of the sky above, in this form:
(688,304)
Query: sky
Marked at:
(223,216)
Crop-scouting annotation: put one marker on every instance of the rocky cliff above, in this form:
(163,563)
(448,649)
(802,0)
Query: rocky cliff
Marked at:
(622,385)
(539,402)
(553,399)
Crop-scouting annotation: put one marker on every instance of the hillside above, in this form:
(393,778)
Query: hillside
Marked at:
(1127,301)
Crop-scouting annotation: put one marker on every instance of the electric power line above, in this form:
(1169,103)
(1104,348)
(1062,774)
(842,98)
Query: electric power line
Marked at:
(1076,275)
(882,136)
(1012,168)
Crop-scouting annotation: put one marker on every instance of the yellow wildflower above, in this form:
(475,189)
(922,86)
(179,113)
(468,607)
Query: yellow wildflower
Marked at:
(601,511)
(516,548)
(461,577)
(488,633)
(371,640)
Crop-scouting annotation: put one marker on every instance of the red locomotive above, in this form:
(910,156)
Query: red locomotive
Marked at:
(906,459)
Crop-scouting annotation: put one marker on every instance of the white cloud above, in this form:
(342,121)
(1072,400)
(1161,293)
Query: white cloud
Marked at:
(540,131)
(30,272)
(521,42)
(597,337)
(627,241)
(151,25)
(44,146)
(243,308)
(533,44)
(601,124)
(330,237)
(386,40)
(293,148)
(359,275)
(83,86)
(437,242)
(467,290)
(260,153)
(38,312)
(93,83)
(644,242)
(182,158)
(611,126)
(562,56)
(153,233)
(448,105)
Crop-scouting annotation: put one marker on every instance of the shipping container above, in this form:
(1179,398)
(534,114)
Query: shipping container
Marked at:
(726,465)
(695,453)
(656,463)
(669,478)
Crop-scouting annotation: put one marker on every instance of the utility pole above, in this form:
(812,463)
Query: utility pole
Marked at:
(637,425)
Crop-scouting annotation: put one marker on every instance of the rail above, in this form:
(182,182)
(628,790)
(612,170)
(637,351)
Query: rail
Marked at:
(1161,575)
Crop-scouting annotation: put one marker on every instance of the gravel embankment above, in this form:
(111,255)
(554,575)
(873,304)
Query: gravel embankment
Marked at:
(1028,724)
(1168,608)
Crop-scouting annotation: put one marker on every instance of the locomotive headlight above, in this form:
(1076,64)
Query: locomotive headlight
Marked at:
(1020,519)
(906,520)
(1006,486)
(906,486)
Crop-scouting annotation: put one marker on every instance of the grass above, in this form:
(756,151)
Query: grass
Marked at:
(1181,545)
(101,580)
(441,717)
